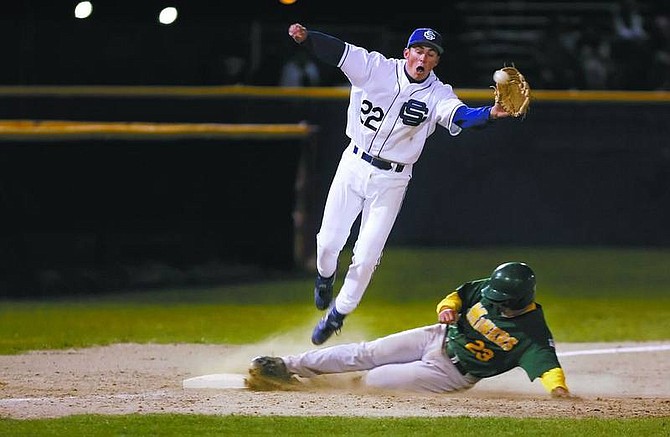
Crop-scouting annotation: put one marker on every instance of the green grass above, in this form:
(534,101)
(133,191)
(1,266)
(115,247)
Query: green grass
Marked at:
(180,425)
(589,295)
(27,326)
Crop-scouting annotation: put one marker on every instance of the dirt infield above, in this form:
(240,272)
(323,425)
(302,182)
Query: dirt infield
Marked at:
(622,380)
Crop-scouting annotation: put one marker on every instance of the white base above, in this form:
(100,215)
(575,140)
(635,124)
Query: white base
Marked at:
(217,380)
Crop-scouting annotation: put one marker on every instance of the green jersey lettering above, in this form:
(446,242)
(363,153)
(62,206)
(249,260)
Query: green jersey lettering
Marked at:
(476,317)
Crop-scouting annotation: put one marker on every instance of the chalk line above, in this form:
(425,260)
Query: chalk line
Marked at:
(616,350)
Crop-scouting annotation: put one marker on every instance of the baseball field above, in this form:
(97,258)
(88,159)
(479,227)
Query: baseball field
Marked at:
(114,364)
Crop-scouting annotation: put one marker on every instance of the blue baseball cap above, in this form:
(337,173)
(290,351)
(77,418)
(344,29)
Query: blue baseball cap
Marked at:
(425,36)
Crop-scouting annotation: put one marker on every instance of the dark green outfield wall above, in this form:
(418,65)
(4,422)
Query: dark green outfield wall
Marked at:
(571,173)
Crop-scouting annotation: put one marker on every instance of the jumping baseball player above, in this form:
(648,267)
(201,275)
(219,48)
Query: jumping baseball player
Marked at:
(394,106)
(486,327)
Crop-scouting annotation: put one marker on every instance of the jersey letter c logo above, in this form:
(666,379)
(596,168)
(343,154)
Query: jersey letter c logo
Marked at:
(414,112)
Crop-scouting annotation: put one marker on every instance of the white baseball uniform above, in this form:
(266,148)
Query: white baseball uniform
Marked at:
(389,119)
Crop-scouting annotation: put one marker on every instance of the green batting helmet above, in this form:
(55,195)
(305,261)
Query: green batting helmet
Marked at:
(512,285)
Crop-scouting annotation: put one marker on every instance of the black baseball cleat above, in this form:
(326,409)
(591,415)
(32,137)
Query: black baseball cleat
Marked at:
(269,373)
(323,291)
(273,367)
(327,326)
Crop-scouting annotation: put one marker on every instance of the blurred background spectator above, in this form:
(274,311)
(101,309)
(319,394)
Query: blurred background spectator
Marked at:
(300,70)
(556,55)
(594,51)
(631,51)
(660,47)
(629,23)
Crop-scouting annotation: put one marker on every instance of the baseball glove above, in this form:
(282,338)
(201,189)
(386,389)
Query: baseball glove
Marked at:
(512,91)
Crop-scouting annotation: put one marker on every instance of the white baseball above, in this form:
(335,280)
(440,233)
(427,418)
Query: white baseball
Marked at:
(500,76)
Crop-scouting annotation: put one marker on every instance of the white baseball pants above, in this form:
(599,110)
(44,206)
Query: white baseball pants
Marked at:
(412,360)
(358,188)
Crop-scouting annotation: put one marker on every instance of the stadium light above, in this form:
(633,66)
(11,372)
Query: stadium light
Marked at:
(168,15)
(83,10)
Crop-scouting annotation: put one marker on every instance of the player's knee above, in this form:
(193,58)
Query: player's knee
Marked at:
(329,244)
(367,264)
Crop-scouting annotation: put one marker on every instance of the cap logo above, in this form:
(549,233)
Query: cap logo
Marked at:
(429,35)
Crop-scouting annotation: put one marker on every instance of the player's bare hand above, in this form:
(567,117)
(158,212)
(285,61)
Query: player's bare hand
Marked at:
(497,111)
(448,316)
(560,392)
(298,32)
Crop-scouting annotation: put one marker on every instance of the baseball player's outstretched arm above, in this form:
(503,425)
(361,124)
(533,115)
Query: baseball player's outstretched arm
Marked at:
(325,47)
(467,117)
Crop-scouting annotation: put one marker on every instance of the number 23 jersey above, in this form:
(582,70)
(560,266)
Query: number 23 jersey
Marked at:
(488,343)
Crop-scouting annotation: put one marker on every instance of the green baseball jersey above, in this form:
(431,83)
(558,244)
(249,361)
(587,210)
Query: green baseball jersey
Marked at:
(488,343)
